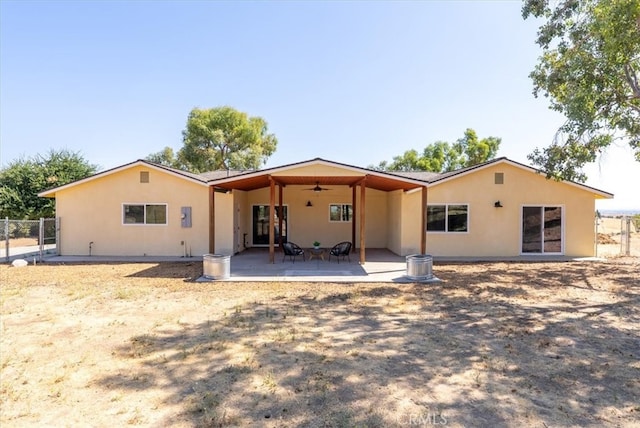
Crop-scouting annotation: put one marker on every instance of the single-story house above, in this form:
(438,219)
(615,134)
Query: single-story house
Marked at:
(498,208)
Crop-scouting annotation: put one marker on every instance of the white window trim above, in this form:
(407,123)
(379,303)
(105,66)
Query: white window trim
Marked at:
(562,229)
(341,205)
(446,224)
(144,204)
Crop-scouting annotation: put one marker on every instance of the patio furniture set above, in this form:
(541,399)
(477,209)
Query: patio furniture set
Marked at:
(340,250)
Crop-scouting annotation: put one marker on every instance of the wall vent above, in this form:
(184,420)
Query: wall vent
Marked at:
(499,178)
(144,176)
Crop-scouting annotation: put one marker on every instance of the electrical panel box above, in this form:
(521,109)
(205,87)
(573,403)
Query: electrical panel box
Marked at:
(185,216)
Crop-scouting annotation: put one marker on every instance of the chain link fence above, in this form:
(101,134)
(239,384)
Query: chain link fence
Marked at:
(618,236)
(28,239)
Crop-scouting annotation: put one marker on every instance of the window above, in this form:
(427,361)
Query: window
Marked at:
(448,218)
(340,212)
(144,214)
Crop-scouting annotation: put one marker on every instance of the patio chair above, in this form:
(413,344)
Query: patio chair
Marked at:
(341,250)
(292,250)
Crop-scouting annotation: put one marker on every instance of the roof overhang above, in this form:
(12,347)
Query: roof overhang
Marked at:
(352,176)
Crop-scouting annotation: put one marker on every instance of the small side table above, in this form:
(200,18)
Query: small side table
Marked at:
(316,253)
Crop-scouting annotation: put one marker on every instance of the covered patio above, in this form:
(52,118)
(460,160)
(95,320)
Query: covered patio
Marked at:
(287,186)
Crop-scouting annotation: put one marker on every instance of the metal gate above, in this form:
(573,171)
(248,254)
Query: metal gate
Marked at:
(28,239)
(618,236)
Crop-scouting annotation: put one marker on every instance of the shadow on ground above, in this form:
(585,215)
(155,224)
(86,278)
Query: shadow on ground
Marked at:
(189,271)
(496,347)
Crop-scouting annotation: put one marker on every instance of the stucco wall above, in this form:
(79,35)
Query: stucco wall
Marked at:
(411,223)
(377,219)
(243,216)
(93,212)
(394,223)
(497,231)
(224,223)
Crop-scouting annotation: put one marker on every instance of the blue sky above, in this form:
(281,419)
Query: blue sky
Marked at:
(354,82)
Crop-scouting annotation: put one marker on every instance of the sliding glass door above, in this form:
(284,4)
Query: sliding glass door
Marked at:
(542,230)
(261,225)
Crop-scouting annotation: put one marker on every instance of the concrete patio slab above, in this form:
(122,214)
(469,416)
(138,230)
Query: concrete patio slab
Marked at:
(253,265)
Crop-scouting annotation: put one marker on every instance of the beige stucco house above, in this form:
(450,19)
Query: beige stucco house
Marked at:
(499,208)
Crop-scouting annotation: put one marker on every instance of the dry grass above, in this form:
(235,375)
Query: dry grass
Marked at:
(502,344)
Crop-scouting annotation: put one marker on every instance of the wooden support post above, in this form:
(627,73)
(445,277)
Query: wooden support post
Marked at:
(280,217)
(362,218)
(212,220)
(272,208)
(353,216)
(423,222)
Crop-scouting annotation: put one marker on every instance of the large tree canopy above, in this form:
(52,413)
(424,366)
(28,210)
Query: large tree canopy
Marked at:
(220,138)
(442,156)
(23,179)
(590,71)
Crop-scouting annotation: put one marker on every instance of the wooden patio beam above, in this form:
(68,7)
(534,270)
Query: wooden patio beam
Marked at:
(272,209)
(212,220)
(277,180)
(362,220)
(354,210)
(359,182)
(280,216)
(423,222)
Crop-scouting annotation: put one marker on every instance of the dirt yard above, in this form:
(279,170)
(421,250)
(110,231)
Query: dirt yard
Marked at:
(501,344)
(20,242)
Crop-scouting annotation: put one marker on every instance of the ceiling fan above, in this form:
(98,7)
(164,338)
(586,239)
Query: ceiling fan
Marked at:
(318,189)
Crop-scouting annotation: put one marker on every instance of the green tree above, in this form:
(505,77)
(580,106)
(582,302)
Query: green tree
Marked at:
(220,138)
(474,151)
(589,70)
(442,156)
(23,179)
(167,157)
